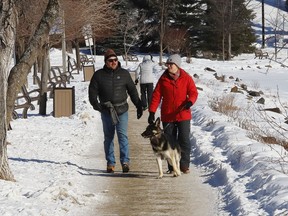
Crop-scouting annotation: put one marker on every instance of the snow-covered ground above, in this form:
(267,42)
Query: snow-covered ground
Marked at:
(46,153)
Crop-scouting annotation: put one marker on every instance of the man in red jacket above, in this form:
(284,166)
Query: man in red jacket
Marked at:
(177,92)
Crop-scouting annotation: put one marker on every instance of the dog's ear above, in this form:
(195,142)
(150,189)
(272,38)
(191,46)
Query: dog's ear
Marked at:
(157,122)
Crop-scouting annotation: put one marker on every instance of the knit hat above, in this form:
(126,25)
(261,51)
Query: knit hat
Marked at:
(175,58)
(146,58)
(109,53)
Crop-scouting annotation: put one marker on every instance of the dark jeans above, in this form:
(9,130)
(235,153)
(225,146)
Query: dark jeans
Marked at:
(180,131)
(146,93)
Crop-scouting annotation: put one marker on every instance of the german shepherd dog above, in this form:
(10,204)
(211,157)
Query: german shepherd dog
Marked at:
(164,147)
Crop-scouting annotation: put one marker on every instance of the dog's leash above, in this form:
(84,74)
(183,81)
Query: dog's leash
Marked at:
(179,110)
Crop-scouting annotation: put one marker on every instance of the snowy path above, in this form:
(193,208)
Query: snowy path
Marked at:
(140,193)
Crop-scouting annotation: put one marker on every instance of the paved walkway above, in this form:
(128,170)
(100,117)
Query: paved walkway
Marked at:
(139,192)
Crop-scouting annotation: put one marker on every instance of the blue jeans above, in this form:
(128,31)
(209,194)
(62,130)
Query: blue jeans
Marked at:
(109,132)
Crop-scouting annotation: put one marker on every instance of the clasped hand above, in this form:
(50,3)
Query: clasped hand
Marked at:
(139,112)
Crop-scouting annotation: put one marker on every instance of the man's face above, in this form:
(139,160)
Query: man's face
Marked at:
(112,62)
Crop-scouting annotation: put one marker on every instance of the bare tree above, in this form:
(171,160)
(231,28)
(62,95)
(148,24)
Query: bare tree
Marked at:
(20,71)
(165,15)
(278,23)
(230,18)
(29,16)
(178,44)
(163,22)
(99,15)
(8,21)
(220,14)
(10,83)
(29,51)
(132,28)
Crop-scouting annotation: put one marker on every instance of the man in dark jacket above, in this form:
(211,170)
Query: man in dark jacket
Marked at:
(108,93)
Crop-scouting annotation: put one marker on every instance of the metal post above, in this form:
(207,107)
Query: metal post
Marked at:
(263,26)
(63,44)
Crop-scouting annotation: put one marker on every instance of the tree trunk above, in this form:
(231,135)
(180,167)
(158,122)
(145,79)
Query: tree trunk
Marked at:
(35,71)
(69,47)
(263,26)
(223,45)
(162,32)
(77,53)
(229,34)
(8,21)
(20,71)
(44,80)
(229,47)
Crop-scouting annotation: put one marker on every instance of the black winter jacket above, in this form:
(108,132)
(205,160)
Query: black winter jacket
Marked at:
(114,86)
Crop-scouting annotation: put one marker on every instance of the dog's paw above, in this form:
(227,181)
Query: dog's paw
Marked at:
(160,177)
(175,174)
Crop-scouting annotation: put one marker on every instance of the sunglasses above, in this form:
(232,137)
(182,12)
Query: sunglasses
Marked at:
(112,60)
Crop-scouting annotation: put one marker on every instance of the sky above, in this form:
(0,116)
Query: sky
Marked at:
(46,153)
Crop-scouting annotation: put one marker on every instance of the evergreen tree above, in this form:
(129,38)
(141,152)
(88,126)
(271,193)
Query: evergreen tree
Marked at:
(190,16)
(148,42)
(220,26)
(116,41)
(224,19)
(161,15)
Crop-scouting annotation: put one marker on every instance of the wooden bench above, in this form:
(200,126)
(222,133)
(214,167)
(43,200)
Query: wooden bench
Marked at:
(58,72)
(72,65)
(50,86)
(24,101)
(130,57)
(260,54)
(57,78)
(84,59)
(207,54)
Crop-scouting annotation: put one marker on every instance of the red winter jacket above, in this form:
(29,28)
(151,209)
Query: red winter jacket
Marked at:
(174,95)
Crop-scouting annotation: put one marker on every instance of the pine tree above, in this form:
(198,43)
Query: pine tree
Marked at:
(189,16)
(220,26)
(161,15)
(149,42)
(224,19)
(116,41)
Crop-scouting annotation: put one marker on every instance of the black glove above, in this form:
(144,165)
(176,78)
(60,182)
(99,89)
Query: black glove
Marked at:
(136,81)
(98,107)
(139,112)
(151,117)
(188,105)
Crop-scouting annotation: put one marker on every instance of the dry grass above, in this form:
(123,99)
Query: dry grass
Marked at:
(255,84)
(225,105)
(259,124)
